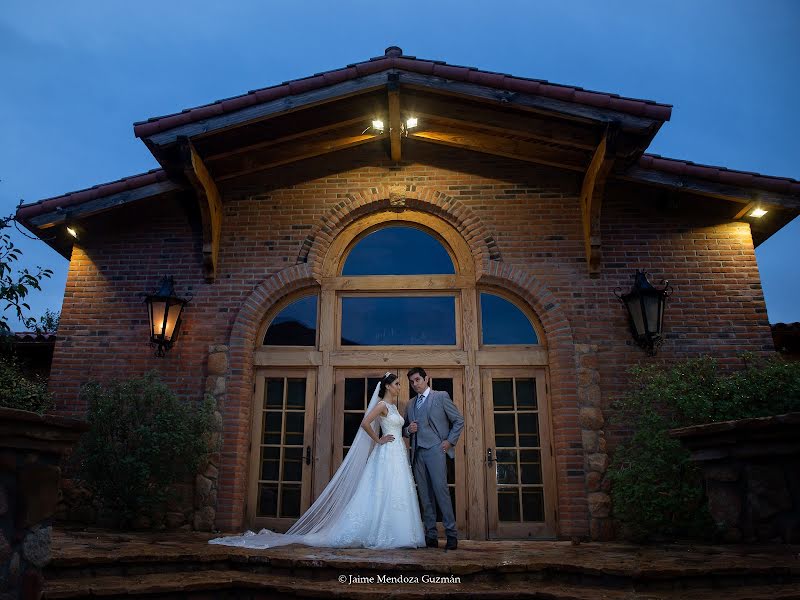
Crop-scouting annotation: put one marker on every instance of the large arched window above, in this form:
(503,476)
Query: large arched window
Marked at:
(398,250)
(398,290)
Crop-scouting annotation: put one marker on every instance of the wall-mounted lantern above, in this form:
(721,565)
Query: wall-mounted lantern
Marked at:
(645,307)
(164,309)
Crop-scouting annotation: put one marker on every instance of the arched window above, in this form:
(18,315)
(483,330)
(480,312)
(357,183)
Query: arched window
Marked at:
(502,322)
(295,325)
(398,250)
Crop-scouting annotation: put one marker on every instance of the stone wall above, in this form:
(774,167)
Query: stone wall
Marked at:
(752,475)
(30,450)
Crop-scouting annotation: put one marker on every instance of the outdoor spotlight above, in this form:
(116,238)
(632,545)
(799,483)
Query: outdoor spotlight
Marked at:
(411,122)
(645,307)
(164,310)
(72,232)
(377,124)
(758,213)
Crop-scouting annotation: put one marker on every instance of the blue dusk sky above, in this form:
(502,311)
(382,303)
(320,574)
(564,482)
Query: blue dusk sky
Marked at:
(76,75)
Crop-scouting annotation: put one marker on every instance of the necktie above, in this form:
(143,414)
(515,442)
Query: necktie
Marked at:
(420,400)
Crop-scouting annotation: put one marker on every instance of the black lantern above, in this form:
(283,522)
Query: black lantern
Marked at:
(164,309)
(645,306)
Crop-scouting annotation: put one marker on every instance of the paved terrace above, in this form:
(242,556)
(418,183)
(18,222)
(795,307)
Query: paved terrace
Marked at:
(97,563)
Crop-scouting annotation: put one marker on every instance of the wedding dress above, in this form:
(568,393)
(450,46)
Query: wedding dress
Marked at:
(370,502)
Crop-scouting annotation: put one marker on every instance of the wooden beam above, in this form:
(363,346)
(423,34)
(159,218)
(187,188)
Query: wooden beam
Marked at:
(292,151)
(541,104)
(210,204)
(505,121)
(395,122)
(287,104)
(491,143)
(594,182)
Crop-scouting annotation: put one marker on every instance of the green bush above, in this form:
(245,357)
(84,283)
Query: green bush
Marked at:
(20,391)
(142,440)
(657,491)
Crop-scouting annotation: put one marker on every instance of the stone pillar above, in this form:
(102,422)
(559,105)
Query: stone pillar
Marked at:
(594,442)
(205,488)
(30,449)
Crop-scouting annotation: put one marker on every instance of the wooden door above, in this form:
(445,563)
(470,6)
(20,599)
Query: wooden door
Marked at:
(353,390)
(520,479)
(282,457)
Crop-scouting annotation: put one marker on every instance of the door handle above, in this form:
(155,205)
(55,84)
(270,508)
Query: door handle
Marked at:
(308,455)
(489,458)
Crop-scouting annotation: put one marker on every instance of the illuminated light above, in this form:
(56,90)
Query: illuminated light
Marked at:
(72,232)
(411,123)
(758,213)
(377,124)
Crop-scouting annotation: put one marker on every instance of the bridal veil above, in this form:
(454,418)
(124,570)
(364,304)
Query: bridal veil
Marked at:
(310,529)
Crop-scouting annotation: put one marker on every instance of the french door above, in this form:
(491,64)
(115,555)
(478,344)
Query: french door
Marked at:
(520,482)
(283,431)
(353,390)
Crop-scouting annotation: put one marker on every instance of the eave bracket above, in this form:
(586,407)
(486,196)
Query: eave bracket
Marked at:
(209,202)
(592,190)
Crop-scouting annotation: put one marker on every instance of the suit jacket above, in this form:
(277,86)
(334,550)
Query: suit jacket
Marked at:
(443,417)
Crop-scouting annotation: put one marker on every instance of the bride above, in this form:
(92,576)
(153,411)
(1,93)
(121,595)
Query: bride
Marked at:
(370,502)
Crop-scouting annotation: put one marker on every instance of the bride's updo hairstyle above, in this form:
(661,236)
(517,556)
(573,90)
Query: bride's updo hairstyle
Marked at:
(387,379)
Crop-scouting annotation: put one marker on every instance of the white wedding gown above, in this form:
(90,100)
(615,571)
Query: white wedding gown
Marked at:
(383,512)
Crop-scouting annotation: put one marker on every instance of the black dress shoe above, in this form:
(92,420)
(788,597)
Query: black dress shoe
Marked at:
(452,543)
(432,542)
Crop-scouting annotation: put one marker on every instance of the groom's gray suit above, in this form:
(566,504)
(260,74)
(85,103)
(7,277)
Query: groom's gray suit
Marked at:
(438,420)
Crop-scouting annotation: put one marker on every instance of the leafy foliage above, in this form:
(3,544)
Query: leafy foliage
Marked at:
(15,287)
(657,491)
(20,391)
(49,321)
(142,439)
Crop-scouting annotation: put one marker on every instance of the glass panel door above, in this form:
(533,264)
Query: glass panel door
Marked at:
(518,454)
(353,391)
(280,488)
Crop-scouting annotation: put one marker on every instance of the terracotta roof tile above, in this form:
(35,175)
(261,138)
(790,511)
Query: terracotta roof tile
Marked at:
(27,211)
(782,185)
(394,59)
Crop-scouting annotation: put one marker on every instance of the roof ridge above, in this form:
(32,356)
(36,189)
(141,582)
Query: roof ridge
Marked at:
(397,60)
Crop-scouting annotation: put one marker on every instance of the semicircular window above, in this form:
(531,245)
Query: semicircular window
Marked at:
(295,325)
(502,322)
(398,250)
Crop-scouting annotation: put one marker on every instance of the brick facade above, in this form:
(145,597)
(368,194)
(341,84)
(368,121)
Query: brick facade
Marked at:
(523,224)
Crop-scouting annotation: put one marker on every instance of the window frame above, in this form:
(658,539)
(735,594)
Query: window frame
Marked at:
(523,309)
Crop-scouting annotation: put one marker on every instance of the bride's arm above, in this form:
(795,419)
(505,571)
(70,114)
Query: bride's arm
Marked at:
(378,409)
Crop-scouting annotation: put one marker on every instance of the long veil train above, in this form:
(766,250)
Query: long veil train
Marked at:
(312,527)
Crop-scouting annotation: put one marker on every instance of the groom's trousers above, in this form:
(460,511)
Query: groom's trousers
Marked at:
(430,472)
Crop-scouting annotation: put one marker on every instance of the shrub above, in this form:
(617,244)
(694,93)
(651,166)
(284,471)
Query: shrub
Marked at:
(142,440)
(20,391)
(657,491)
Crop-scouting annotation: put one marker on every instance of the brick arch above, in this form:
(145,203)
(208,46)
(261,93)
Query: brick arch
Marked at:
(238,399)
(563,372)
(370,200)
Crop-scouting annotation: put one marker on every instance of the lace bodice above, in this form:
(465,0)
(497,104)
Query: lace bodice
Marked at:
(392,423)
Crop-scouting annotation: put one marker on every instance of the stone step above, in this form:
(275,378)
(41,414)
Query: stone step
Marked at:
(255,586)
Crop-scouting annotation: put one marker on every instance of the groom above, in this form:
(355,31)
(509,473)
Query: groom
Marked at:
(433,424)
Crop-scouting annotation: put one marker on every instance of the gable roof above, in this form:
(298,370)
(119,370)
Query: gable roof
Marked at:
(251,118)
(395,59)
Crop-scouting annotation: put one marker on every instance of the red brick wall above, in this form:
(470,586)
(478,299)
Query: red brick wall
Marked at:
(532,214)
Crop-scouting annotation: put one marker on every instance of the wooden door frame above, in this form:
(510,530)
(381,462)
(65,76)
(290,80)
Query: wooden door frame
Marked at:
(495,529)
(251,503)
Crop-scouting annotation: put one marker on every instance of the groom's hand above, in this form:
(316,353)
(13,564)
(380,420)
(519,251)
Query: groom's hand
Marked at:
(446,446)
(412,427)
